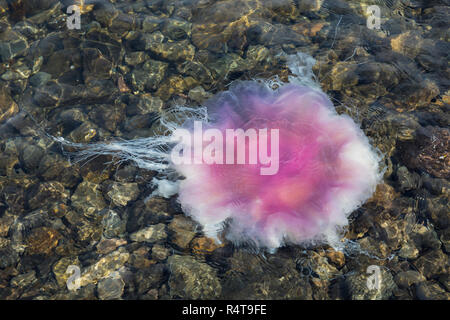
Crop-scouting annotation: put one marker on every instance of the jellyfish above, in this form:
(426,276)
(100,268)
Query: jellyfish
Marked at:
(325,165)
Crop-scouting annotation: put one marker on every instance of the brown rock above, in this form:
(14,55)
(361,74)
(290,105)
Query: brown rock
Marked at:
(182,229)
(138,258)
(8,107)
(42,240)
(384,195)
(428,151)
(47,193)
(407,43)
(204,245)
(432,263)
(88,198)
(407,278)
(5,223)
(336,257)
(122,193)
(159,252)
(108,245)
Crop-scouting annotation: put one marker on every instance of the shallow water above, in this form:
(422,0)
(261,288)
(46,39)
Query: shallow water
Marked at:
(129,62)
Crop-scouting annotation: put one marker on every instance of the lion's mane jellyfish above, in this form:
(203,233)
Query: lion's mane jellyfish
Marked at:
(326,166)
(326,169)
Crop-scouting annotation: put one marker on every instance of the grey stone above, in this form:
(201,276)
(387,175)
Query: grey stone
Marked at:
(8,257)
(40,79)
(135,58)
(407,180)
(408,250)
(431,291)
(12,44)
(84,133)
(176,29)
(198,94)
(432,263)
(357,285)
(146,104)
(151,24)
(47,193)
(150,278)
(30,156)
(113,225)
(406,279)
(110,288)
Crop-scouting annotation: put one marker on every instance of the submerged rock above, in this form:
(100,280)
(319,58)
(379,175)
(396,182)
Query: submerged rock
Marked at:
(198,94)
(12,44)
(40,79)
(149,75)
(358,289)
(171,51)
(46,194)
(148,280)
(160,252)
(183,231)
(8,257)
(59,269)
(431,291)
(55,167)
(111,287)
(176,29)
(406,279)
(104,267)
(42,241)
(24,280)
(153,211)
(113,225)
(191,279)
(106,246)
(87,225)
(88,198)
(150,234)
(432,263)
(122,193)
(128,64)
(204,245)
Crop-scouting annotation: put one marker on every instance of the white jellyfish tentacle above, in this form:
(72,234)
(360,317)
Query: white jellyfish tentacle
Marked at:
(151,153)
